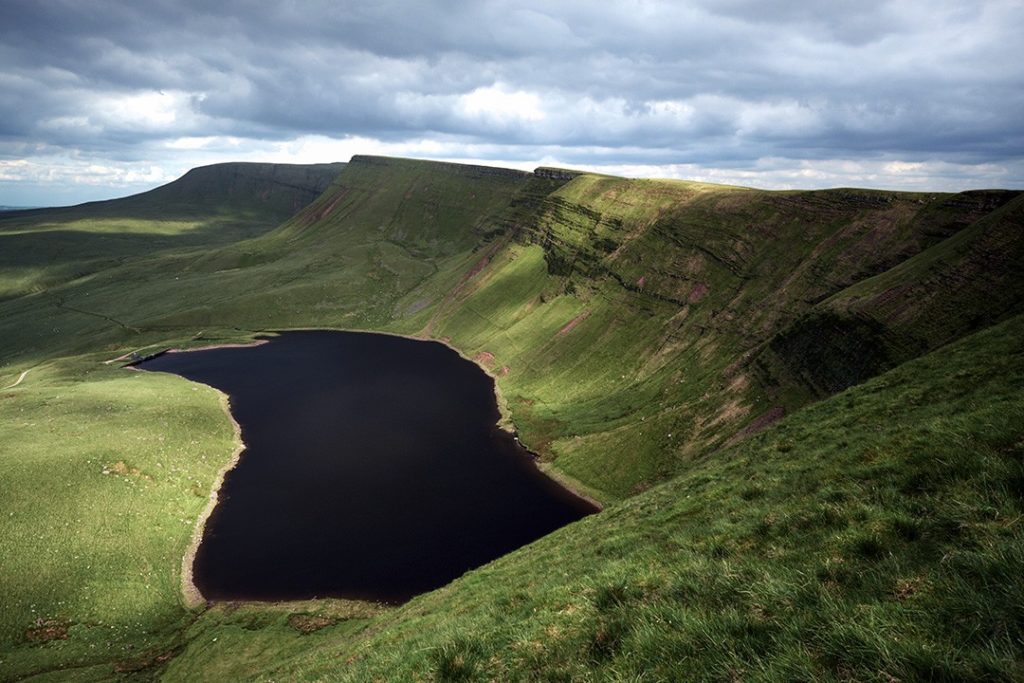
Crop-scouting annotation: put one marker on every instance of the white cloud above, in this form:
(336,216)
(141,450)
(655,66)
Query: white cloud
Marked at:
(768,92)
(789,174)
(499,105)
(67,171)
(169,111)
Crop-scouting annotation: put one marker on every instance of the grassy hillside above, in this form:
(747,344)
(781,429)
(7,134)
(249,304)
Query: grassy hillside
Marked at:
(629,321)
(960,285)
(641,332)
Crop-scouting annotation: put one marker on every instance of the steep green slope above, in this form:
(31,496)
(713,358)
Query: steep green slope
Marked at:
(966,283)
(639,330)
(625,319)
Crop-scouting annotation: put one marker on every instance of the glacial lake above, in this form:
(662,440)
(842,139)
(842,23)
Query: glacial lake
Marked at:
(373,469)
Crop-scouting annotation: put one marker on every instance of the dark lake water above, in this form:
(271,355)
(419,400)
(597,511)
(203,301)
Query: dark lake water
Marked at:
(373,469)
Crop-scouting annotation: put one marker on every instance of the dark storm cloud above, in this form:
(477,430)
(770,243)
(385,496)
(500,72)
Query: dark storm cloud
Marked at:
(706,82)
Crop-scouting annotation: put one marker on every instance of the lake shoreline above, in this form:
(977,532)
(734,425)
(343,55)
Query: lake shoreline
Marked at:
(193,596)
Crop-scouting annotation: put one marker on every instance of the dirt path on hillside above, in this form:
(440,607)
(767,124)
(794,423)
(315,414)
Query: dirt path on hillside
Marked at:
(18,381)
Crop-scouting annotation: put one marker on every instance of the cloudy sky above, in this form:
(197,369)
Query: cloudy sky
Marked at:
(102,99)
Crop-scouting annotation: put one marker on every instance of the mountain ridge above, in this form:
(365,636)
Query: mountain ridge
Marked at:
(671,348)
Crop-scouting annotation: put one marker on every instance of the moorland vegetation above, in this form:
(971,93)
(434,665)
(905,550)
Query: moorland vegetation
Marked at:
(803,411)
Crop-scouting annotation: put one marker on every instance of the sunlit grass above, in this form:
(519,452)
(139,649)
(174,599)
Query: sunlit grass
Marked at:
(105,472)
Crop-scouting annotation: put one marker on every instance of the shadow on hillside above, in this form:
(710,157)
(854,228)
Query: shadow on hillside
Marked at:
(58,248)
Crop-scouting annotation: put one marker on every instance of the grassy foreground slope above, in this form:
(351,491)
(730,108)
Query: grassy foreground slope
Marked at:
(639,331)
(875,536)
(102,483)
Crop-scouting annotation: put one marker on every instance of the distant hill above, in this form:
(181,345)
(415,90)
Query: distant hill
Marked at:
(208,206)
(278,189)
(803,411)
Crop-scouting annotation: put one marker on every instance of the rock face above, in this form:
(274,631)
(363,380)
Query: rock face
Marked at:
(556,173)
